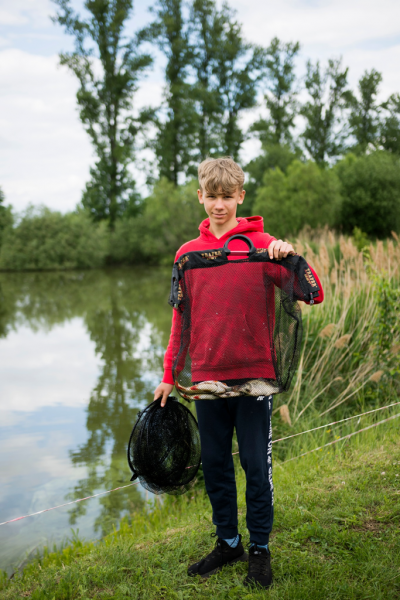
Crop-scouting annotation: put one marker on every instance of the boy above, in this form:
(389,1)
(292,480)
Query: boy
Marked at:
(221,190)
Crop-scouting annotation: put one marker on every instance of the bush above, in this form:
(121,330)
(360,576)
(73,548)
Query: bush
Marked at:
(125,242)
(43,240)
(170,217)
(306,195)
(370,187)
(272,156)
(6,218)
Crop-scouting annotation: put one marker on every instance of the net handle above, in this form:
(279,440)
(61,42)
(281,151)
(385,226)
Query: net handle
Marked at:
(244,238)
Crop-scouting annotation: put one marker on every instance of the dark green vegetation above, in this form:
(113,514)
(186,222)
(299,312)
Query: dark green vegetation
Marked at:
(45,239)
(212,77)
(335,536)
(361,192)
(339,166)
(370,186)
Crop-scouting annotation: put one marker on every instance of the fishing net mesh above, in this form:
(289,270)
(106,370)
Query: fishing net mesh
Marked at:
(239,326)
(164,448)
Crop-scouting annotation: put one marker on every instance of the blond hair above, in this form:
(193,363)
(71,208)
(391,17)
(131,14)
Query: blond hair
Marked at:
(220,174)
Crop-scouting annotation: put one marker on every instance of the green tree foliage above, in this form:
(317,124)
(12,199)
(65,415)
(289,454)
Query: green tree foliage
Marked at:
(6,217)
(275,132)
(239,68)
(370,187)
(108,67)
(206,30)
(324,135)
(171,216)
(49,240)
(306,195)
(271,157)
(174,144)
(227,71)
(390,127)
(365,112)
(281,97)
(211,75)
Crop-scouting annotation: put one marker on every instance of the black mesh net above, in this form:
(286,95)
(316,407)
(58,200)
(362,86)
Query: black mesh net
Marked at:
(164,448)
(239,329)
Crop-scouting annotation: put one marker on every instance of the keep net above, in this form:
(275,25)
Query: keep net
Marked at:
(164,448)
(238,329)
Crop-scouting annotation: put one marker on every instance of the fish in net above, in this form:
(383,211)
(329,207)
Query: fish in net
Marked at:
(238,329)
(164,448)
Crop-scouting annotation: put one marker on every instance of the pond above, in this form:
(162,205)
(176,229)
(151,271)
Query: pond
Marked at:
(80,354)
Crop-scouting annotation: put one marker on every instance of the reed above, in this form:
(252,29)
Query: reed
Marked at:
(344,364)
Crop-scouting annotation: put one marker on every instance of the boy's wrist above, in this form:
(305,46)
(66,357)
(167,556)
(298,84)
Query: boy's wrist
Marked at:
(167,377)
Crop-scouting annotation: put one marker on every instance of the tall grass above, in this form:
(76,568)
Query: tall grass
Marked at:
(343,363)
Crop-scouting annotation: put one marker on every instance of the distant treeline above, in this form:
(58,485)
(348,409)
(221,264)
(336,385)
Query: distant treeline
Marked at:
(212,76)
(359,191)
(329,154)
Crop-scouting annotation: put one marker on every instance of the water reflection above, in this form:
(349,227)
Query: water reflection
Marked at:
(126,320)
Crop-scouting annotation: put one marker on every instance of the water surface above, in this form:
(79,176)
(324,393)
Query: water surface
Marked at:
(80,354)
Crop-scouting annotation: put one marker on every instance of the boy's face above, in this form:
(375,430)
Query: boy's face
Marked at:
(221,207)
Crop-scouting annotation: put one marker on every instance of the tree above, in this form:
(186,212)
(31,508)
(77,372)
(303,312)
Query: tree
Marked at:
(108,67)
(275,132)
(2,213)
(323,136)
(45,239)
(206,30)
(370,187)
(227,72)
(175,141)
(364,115)
(6,218)
(211,76)
(390,127)
(239,69)
(306,195)
(280,99)
(272,156)
(171,216)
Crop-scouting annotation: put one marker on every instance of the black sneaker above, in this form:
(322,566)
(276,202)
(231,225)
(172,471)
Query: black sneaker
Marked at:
(259,567)
(222,555)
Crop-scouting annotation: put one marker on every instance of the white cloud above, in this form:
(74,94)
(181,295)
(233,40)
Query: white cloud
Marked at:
(364,32)
(25,12)
(40,369)
(336,24)
(44,151)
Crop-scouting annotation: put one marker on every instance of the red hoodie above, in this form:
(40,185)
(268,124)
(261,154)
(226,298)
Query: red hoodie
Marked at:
(253,228)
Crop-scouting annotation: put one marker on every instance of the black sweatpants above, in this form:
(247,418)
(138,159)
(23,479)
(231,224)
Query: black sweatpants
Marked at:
(251,417)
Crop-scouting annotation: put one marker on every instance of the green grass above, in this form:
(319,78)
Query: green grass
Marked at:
(336,536)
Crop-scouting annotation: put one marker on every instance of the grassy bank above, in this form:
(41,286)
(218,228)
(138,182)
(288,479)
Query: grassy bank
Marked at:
(335,536)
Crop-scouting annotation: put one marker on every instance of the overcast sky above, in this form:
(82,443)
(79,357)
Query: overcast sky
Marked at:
(44,152)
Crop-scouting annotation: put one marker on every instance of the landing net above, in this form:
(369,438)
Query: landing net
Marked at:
(238,328)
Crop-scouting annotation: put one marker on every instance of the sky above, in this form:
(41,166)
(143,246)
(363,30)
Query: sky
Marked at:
(45,154)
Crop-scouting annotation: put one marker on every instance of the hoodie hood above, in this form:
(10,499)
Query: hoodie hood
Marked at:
(245,225)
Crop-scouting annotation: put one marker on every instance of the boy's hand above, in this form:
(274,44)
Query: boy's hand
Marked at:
(279,249)
(164,390)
